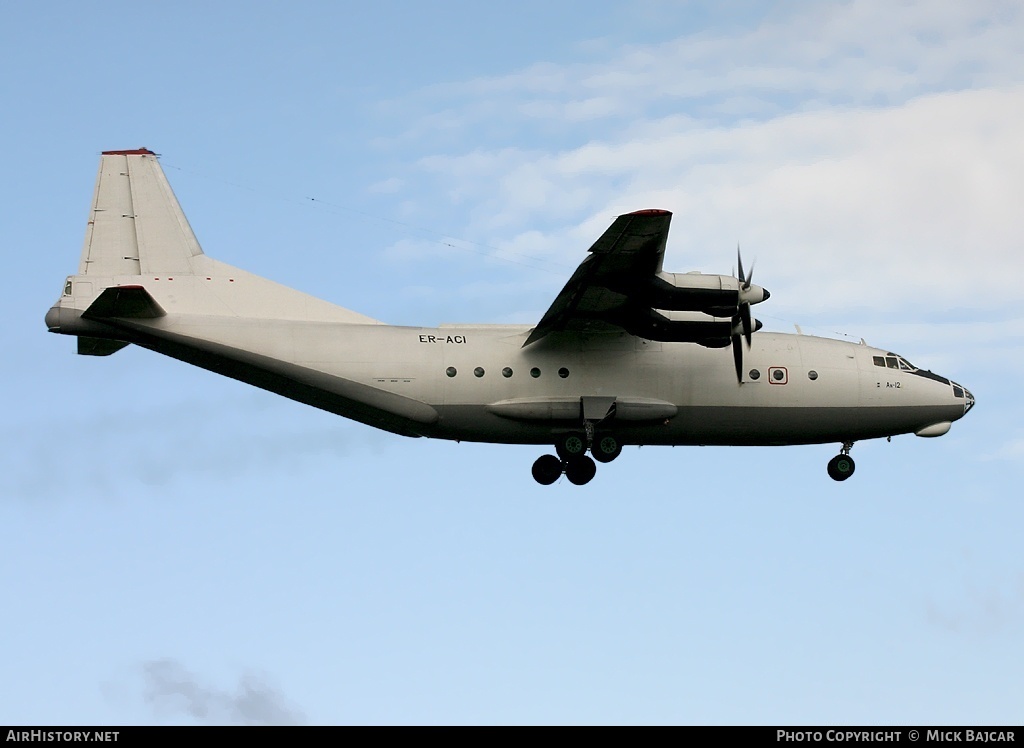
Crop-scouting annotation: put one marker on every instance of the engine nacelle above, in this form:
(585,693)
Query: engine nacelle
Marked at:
(718,295)
(683,327)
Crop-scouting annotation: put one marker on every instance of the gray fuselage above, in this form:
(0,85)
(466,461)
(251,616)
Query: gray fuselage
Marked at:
(478,382)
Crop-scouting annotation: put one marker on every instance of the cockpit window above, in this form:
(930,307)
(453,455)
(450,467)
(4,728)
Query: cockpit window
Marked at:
(892,361)
(958,391)
(67,288)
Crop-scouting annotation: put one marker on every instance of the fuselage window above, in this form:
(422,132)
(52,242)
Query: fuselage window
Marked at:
(755,374)
(563,372)
(534,372)
(779,375)
(478,371)
(450,371)
(506,372)
(812,375)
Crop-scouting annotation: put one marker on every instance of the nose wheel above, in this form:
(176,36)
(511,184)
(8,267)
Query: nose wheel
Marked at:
(842,465)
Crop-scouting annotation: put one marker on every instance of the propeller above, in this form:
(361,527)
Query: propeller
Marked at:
(737,357)
(741,322)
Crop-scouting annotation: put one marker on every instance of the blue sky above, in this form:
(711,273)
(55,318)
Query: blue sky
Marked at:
(181,549)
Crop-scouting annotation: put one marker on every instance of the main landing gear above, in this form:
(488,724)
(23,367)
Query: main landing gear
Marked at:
(573,460)
(842,465)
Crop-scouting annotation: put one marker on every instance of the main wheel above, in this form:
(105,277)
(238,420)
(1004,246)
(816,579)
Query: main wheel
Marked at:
(547,469)
(606,448)
(570,445)
(841,467)
(580,470)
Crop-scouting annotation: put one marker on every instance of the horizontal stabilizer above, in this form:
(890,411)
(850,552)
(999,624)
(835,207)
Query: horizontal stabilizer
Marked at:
(98,346)
(124,301)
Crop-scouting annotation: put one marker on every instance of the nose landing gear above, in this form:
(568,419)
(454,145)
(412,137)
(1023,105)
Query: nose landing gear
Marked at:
(842,465)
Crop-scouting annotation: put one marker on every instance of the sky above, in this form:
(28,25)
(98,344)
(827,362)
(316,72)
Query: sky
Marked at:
(177,548)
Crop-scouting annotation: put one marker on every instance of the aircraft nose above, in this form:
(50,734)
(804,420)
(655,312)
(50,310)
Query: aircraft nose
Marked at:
(962,393)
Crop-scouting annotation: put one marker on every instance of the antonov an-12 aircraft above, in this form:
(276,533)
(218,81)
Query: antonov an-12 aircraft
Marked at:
(626,355)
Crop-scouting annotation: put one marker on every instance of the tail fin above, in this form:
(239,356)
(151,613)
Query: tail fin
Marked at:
(136,226)
(138,242)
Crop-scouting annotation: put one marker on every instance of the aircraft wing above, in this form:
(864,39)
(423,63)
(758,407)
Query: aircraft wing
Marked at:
(623,260)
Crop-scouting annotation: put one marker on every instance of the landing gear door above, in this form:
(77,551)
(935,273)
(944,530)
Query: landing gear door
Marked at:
(596,409)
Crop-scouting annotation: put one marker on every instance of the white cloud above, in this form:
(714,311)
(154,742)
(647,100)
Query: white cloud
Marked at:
(861,208)
(986,608)
(856,52)
(386,186)
(867,153)
(172,690)
(1012,450)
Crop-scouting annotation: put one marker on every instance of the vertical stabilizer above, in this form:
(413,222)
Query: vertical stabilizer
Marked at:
(136,225)
(141,261)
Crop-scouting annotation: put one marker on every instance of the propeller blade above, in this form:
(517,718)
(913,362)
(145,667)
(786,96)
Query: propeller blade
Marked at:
(745,321)
(737,357)
(744,279)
